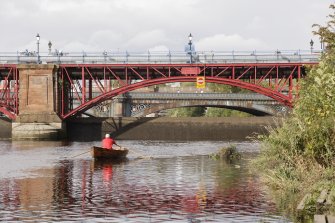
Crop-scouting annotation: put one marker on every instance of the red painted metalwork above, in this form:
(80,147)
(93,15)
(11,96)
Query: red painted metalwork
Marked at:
(279,81)
(9,89)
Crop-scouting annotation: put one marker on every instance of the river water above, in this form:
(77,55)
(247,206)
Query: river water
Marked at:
(172,182)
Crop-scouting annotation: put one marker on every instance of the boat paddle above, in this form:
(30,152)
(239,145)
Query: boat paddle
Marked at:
(80,154)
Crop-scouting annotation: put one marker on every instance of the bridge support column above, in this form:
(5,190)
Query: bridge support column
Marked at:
(119,106)
(38,119)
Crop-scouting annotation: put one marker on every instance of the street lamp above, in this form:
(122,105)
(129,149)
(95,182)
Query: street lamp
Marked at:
(49,45)
(190,44)
(38,48)
(311,43)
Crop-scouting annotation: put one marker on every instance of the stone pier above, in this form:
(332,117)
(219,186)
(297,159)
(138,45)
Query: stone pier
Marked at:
(38,119)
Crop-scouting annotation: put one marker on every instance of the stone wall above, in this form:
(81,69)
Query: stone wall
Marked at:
(163,128)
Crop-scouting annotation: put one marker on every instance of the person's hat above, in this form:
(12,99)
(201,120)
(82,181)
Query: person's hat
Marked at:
(107,135)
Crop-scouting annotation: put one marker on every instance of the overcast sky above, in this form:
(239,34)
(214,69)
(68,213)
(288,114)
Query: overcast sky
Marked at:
(141,25)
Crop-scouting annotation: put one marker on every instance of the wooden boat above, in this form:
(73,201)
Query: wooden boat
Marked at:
(113,154)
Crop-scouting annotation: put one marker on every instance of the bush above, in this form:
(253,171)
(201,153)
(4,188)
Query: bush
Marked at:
(229,153)
(299,156)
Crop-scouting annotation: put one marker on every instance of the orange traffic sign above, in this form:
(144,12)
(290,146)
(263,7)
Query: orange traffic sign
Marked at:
(201,82)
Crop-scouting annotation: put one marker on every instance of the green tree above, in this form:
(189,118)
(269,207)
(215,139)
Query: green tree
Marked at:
(299,157)
(309,132)
(222,88)
(326,33)
(315,109)
(187,112)
(223,112)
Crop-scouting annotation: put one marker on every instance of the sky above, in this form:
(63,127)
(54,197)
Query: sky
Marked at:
(160,25)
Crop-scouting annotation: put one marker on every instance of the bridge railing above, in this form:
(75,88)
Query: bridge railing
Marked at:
(283,56)
(197,96)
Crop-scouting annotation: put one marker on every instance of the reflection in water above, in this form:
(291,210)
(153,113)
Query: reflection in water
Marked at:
(29,145)
(63,184)
(178,189)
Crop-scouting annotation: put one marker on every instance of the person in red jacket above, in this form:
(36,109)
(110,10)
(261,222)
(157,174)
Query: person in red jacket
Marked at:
(108,142)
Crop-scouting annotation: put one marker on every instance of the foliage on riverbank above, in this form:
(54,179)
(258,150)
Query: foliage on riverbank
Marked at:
(186,112)
(206,112)
(299,157)
(229,154)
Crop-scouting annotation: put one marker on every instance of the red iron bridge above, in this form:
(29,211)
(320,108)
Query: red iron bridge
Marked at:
(68,84)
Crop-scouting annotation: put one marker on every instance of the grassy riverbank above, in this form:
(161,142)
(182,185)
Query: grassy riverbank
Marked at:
(299,157)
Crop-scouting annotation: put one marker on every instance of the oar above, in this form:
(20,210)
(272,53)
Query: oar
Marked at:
(80,154)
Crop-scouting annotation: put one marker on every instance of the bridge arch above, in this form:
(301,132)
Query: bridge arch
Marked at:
(256,110)
(276,95)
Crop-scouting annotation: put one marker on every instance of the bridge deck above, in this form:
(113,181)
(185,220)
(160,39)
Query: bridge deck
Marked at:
(201,57)
(198,96)
(84,80)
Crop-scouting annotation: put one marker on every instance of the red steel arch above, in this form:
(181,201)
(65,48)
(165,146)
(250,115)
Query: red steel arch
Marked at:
(9,87)
(284,99)
(82,86)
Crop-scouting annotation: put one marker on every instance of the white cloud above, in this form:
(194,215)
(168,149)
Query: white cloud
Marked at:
(148,5)
(109,38)
(139,25)
(160,48)
(147,39)
(80,47)
(256,23)
(222,42)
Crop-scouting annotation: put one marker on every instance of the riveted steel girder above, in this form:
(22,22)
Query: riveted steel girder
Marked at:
(83,86)
(9,88)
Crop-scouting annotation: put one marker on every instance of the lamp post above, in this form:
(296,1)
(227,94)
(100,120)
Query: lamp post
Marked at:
(38,48)
(105,55)
(190,44)
(49,45)
(311,43)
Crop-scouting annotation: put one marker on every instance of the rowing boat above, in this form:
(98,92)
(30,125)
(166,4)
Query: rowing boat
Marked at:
(115,154)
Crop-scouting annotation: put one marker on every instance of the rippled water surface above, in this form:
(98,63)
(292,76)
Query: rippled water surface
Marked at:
(174,182)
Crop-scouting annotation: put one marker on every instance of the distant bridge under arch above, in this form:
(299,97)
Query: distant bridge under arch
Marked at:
(141,104)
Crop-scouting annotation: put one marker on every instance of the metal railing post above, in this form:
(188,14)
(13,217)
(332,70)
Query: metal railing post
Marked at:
(165,57)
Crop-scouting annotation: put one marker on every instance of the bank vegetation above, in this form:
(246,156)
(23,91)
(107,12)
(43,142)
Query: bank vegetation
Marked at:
(298,158)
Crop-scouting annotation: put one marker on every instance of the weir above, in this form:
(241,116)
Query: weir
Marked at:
(147,128)
(165,128)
